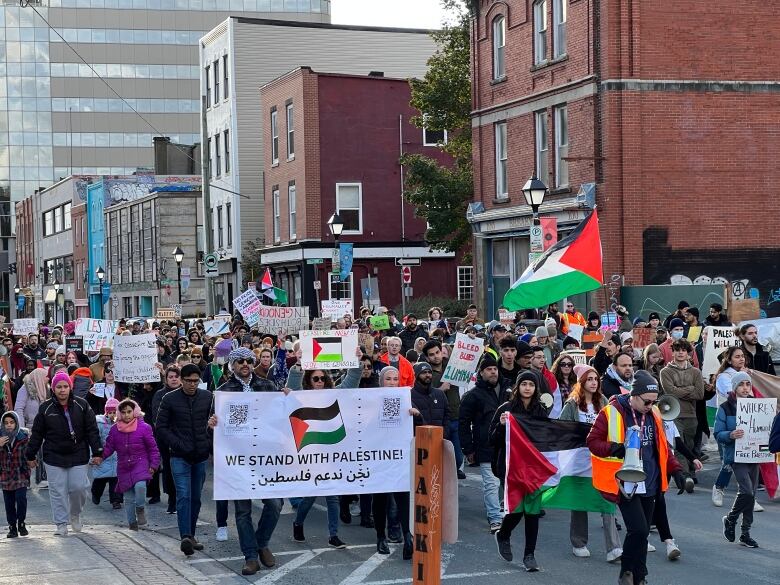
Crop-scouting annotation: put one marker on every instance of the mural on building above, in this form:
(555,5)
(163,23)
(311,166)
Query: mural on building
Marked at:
(752,273)
(123,189)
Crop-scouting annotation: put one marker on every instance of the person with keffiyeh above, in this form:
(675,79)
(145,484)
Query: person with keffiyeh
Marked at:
(619,377)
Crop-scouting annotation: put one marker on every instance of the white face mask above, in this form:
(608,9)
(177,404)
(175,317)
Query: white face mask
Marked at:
(677,335)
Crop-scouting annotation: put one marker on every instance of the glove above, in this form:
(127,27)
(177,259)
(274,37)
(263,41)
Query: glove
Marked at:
(679,481)
(617,450)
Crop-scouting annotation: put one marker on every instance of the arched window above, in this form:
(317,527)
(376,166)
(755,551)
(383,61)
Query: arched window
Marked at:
(499,47)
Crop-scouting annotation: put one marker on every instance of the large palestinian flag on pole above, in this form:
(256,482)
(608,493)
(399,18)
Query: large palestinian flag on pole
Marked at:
(548,466)
(570,267)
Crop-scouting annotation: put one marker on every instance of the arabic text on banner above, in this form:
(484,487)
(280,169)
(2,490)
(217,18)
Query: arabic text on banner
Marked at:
(463,360)
(288,319)
(97,333)
(312,442)
(135,357)
(329,349)
(248,305)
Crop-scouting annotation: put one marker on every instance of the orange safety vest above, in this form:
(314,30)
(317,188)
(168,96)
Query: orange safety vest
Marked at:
(605,468)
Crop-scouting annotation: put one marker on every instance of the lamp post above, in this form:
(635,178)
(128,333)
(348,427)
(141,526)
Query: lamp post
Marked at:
(178,255)
(101,274)
(56,285)
(336,226)
(534,191)
(16,296)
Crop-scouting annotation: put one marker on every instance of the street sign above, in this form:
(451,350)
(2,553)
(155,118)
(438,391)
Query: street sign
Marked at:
(537,243)
(317,285)
(314,261)
(408,261)
(406,272)
(210,266)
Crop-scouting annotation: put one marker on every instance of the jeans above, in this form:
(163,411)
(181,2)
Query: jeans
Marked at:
(188,479)
(747,476)
(135,497)
(724,477)
(637,515)
(490,485)
(249,539)
(456,442)
(15,506)
(578,530)
(99,486)
(510,522)
(333,512)
(67,491)
(222,513)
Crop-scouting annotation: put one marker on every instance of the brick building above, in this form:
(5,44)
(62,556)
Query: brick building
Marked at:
(333,143)
(668,113)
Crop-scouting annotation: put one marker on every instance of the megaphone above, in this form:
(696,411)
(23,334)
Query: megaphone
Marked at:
(632,469)
(669,407)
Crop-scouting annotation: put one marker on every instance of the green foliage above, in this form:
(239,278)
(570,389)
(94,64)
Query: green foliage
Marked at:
(420,306)
(250,260)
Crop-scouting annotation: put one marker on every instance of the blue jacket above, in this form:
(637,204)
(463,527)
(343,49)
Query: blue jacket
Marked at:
(774,436)
(725,422)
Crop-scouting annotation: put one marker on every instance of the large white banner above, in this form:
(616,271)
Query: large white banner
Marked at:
(135,357)
(312,443)
(97,333)
(329,349)
(282,319)
(463,360)
(754,416)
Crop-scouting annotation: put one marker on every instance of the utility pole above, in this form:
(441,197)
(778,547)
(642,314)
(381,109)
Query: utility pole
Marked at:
(206,198)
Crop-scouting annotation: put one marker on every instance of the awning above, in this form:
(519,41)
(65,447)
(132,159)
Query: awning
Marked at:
(51,296)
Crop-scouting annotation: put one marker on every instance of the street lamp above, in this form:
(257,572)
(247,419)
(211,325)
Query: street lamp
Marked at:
(101,274)
(534,191)
(56,285)
(178,255)
(16,296)
(336,226)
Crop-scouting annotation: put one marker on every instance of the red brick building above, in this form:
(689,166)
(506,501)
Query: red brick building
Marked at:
(667,113)
(334,143)
(25,256)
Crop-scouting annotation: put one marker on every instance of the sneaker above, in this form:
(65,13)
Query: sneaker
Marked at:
(134,526)
(298,535)
(626,578)
(650,547)
(12,532)
(581,552)
(530,564)
(461,475)
(75,523)
(367,522)
(354,508)
(381,547)
(504,548)
(728,530)
(250,567)
(335,542)
(394,535)
(23,529)
(717,496)
(745,540)
(672,550)
(222,534)
(62,530)
(757,507)
(141,515)
(689,484)
(267,557)
(187,546)
(703,457)
(495,527)
(614,555)
(44,485)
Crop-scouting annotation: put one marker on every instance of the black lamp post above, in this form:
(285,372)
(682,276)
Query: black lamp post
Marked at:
(534,191)
(101,274)
(178,255)
(56,285)
(16,296)
(336,226)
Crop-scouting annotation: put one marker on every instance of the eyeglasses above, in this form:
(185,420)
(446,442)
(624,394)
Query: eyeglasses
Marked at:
(567,364)
(318,378)
(191,380)
(650,402)
(242,361)
(367,366)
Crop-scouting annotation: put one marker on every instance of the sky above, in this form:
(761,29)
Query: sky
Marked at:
(392,13)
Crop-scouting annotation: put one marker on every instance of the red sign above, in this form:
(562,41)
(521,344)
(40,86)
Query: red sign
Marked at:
(549,232)
(406,272)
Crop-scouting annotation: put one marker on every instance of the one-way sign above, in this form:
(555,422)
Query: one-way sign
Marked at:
(407,261)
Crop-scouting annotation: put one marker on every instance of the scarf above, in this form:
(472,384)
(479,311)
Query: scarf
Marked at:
(625,385)
(124,427)
(245,386)
(36,383)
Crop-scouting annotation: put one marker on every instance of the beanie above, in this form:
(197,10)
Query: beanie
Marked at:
(541,332)
(738,378)
(525,338)
(386,370)
(487,361)
(580,369)
(421,367)
(111,404)
(676,322)
(61,377)
(523,348)
(644,383)
(527,375)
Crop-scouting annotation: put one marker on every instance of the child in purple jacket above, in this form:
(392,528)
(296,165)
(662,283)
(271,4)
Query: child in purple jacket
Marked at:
(133,441)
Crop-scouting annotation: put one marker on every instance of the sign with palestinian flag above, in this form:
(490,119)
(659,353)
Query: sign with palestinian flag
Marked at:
(570,267)
(312,442)
(548,466)
(329,349)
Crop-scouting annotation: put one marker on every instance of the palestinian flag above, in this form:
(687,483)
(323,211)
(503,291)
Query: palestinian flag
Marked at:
(570,267)
(548,466)
(327,349)
(768,386)
(317,426)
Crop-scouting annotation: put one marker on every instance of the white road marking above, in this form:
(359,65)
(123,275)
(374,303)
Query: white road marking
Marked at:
(282,571)
(281,554)
(366,568)
(444,577)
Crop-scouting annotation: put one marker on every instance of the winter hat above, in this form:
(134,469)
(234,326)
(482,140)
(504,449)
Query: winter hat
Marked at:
(421,367)
(111,404)
(637,321)
(644,383)
(523,348)
(384,371)
(580,369)
(550,322)
(52,345)
(652,316)
(60,350)
(593,315)
(527,375)
(738,378)
(568,340)
(676,322)
(136,409)
(693,311)
(525,338)
(246,339)
(487,361)
(541,332)
(82,382)
(61,377)
(626,335)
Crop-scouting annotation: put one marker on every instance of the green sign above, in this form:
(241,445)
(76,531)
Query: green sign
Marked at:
(314,261)
(380,322)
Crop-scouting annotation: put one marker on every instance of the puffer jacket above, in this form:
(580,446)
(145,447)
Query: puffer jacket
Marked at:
(108,467)
(725,422)
(182,425)
(14,471)
(257,384)
(685,384)
(433,406)
(136,453)
(50,431)
(476,413)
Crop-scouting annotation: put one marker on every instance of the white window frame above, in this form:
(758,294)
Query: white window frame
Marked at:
(540,32)
(274,137)
(560,16)
(561,147)
(276,217)
(229,224)
(217,156)
(462,272)
(225,77)
(502,160)
(220,228)
(226,136)
(359,231)
(290,116)
(427,142)
(217,79)
(351,291)
(291,211)
(499,47)
(208,86)
(542,148)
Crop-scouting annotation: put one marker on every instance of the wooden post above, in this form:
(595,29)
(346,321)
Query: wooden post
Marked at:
(428,493)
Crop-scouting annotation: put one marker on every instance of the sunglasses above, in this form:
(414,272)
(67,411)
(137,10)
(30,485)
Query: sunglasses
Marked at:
(318,378)
(567,364)
(650,402)
(367,367)
(242,361)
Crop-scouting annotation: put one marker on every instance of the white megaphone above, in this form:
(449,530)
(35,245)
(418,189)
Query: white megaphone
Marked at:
(632,469)
(669,407)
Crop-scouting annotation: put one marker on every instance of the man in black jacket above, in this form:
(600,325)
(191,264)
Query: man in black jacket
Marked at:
(756,357)
(476,411)
(431,403)
(410,333)
(182,425)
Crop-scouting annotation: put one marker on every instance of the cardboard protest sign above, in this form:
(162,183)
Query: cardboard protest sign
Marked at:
(576,331)
(74,343)
(367,343)
(336,308)
(97,333)
(754,416)
(694,334)
(165,314)
(324,442)
(380,322)
(507,318)
(719,339)
(744,310)
(25,326)
(463,360)
(329,349)
(216,327)
(321,323)
(642,337)
(135,357)
(248,305)
(590,341)
(287,319)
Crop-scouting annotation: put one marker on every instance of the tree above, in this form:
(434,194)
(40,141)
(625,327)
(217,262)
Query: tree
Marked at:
(250,260)
(441,194)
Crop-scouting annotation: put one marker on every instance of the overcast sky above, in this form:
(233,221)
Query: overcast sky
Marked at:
(399,13)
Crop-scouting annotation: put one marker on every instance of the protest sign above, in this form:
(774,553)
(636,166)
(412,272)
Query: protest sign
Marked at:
(507,318)
(642,337)
(248,305)
(25,326)
(177,309)
(590,341)
(216,327)
(165,314)
(576,331)
(74,343)
(609,321)
(97,333)
(287,319)
(744,310)
(578,355)
(719,339)
(754,416)
(463,360)
(329,349)
(336,308)
(367,343)
(694,334)
(135,357)
(324,442)
(379,322)
(321,323)
(99,389)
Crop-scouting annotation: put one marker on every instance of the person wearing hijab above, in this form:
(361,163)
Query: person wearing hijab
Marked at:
(33,392)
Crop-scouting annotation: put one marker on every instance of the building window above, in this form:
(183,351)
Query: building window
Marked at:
(217,156)
(502,184)
(226,135)
(290,132)
(561,146)
(66,215)
(229,223)
(542,167)
(433,137)
(57,219)
(48,223)
(225,88)
(291,207)
(540,32)
(220,238)
(349,197)
(339,289)
(216,82)
(274,137)
(560,10)
(277,236)
(499,47)
(465,283)
(208,87)
(208,157)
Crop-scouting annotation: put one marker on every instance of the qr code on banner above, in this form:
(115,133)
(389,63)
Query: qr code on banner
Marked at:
(390,416)
(238,414)
(237,420)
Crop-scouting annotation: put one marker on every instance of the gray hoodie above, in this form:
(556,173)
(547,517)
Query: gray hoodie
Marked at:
(685,384)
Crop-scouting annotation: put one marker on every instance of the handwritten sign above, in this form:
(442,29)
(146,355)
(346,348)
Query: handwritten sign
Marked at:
(719,339)
(379,322)
(166,314)
(216,327)
(74,343)
(177,310)
(135,357)
(336,308)
(367,343)
(642,337)
(463,360)
(25,326)
(324,442)
(428,480)
(329,349)
(576,331)
(754,416)
(507,318)
(578,355)
(248,305)
(275,319)
(97,333)
(321,323)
